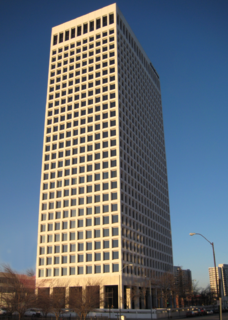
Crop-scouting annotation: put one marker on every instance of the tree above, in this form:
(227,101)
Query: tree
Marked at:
(51,297)
(83,300)
(165,285)
(19,292)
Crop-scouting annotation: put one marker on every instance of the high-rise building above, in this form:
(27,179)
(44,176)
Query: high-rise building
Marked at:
(222,277)
(104,203)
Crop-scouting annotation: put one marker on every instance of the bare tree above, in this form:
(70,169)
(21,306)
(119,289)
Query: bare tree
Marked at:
(83,300)
(165,285)
(51,297)
(19,292)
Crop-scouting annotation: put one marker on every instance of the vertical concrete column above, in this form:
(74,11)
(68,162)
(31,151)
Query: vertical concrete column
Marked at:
(67,294)
(102,294)
(121,291)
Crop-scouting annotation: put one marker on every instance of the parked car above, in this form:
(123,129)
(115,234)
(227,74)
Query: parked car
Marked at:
(209,312)
(190,314)
(2,311)
(202,311)
(196,311)
(32,313)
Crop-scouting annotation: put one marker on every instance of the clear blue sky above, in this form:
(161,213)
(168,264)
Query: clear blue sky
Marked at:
(187,42)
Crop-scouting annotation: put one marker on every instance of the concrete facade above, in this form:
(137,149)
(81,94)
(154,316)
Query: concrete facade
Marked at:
(222,274)
(104,203)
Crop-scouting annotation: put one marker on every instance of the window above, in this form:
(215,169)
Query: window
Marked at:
(88,234)
(80,258)
(96,233)
(80,246)
(80,270)
(89,257)
(56,260)
(114,184)
(96,221)
(57,249)
(115,243)
(97,269)
(105,186)
(80,235)
(97,257)
(115,255)
(106,268)
(80,223)
(88,222)
(97,245)
(72,271)
(97,210)
(98,23)
(64,259)
(106,256)
(105,232)
(114,218)
(106,244)
(106,220)
(88,269)
(105,175)
(88,245)
(105,197)
(115,231)
(91,26)
(72,235)
(115,267)
(114,207)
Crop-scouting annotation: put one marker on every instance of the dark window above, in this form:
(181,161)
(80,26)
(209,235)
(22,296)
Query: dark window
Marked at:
(73,33)
(85,28)
(66,35)
(55,40)
(79,31)
(60,37)
(91,26)
(111,18)
(98,23)
(104,21)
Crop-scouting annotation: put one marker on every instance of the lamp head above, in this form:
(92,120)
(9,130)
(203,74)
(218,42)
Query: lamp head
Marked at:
(191,234)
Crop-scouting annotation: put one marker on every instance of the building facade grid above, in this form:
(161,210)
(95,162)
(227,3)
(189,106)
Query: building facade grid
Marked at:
(104,203)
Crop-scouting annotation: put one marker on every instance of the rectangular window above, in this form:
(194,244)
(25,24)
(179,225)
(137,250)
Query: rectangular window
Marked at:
(85,28)
(55,40)
(106,268)
(98,23)
(80,270)
(111,18)
(104,21)
(79,30)
(91,26)
(72,33)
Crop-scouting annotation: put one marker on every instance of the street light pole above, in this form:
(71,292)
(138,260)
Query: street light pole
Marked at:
(213,250)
